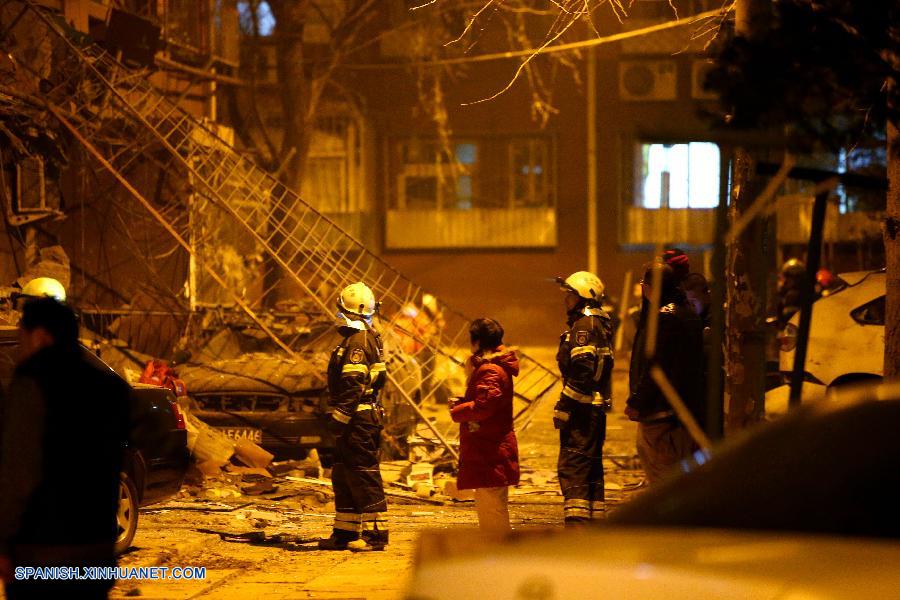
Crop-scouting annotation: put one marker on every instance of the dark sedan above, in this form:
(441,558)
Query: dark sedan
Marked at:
(275,402)
(157,457)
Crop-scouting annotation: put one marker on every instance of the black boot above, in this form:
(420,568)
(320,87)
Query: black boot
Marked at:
(339,540)
(576,521)
(374,539)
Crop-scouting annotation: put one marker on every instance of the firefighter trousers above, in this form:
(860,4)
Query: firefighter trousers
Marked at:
(580,465)
(358,491)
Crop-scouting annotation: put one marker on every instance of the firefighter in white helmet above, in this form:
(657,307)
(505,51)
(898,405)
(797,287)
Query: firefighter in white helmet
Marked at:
(585,362)
(43,287)
(356,375)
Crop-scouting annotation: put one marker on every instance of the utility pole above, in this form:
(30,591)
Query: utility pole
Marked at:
(746,270)
(592,159)
(892,256)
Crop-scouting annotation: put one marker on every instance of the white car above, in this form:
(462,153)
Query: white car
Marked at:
(628,563)
(846,340)
(846,335)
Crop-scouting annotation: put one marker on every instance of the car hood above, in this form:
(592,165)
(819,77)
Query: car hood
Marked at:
(261,373)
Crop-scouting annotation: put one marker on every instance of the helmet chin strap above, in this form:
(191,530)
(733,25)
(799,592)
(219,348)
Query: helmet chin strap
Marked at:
(361,323)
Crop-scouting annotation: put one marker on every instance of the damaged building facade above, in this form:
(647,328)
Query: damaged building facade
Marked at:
(178,245)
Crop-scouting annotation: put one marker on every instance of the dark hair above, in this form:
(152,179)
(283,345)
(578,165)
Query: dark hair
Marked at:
(487,333)
(57,319)
(695,282)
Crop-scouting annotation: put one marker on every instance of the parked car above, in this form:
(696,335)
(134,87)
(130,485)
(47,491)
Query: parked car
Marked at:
(846,340)
(846,337)
(279,403)
(156,457)
(271,400)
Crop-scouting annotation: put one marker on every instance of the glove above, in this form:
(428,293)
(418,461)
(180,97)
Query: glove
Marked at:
(561,414)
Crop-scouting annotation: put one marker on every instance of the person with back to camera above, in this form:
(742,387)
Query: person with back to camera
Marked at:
(59,403)
(662,440)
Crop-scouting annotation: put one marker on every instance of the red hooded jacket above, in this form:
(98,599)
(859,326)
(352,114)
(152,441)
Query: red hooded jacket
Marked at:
(488,452)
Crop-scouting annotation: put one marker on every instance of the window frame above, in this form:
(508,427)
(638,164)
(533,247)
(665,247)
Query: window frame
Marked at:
(637,177)
(434,170)
(546,148)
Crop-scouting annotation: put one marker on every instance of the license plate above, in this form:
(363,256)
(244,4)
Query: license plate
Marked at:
(244,433)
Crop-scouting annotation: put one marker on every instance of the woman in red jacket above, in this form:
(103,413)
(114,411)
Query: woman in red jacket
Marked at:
(489,454)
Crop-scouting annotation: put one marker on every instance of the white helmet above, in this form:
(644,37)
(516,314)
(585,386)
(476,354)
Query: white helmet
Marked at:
(44,287)
(357,299)
(429,304)
(584,283)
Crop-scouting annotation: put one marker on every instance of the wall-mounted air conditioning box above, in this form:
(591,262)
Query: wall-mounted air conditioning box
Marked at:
(648,80)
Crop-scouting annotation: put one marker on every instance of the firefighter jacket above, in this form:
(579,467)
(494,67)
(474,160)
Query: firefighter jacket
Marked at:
(585,357)
(356,373)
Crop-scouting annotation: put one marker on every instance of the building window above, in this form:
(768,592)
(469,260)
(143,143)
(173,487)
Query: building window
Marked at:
(529,163)
(677,175)
(265,19)
(495,192)
(431,177)
(471,174)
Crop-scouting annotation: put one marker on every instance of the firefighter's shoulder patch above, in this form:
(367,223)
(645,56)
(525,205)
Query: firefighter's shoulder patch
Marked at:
(356,356)
(581,337)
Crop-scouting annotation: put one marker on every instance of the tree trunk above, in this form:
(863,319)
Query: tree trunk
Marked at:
(745,344)
(892,256)
(294,93)
(293,86)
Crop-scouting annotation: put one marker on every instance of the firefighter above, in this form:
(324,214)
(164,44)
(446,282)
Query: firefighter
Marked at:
(42,287)
(585,362)
(790,283)
(356,375)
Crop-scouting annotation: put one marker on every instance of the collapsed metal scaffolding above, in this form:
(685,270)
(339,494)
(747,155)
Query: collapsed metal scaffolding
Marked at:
(278,243)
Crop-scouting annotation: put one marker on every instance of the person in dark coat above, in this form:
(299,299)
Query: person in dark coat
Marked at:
(662,439)
(489,454)
(64,429)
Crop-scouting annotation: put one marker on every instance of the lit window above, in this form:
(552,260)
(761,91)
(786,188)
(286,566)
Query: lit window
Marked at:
(264,18)
(677,175)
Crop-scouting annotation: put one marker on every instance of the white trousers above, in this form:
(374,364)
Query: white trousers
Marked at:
(492,505)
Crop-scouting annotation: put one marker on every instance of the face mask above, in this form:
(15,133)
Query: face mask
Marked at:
(345,321)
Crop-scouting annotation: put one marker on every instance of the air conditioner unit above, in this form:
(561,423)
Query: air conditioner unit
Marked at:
(699,69)
(648,80)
